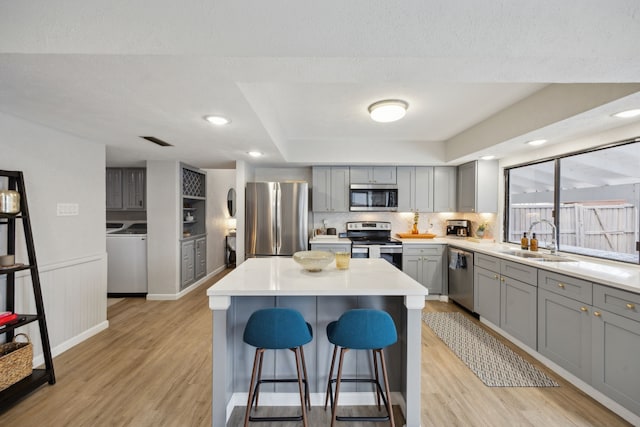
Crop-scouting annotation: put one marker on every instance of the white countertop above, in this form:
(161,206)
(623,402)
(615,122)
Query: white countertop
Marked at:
(611,273)
(283,276)
(329,240)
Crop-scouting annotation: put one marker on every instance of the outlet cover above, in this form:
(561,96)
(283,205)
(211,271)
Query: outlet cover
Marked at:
(68,209)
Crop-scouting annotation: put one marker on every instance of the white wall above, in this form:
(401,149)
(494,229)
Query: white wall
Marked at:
(70,250)
(219,181)
(164,219)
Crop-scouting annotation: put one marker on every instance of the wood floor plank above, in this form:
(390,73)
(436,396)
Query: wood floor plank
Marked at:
(152,367)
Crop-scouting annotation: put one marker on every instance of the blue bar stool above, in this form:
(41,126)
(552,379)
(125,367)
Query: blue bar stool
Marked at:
(361,329)
(275,329)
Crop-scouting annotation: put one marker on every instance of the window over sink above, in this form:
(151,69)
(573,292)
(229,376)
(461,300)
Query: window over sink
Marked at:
(592,197)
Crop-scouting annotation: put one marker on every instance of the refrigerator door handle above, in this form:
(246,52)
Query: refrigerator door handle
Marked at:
(278,222)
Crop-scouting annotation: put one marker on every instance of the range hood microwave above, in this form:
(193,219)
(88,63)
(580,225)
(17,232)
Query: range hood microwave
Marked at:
(373,198)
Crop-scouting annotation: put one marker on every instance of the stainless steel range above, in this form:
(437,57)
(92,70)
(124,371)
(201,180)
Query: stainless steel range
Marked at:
(372,239)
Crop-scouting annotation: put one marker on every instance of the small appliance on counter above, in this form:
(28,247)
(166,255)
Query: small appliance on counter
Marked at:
(458,227)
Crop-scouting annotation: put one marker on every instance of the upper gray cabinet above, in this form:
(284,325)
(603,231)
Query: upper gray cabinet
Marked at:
(373,175)
(444,189)
(330,192)
(478,186)
(415,189)
(126,188)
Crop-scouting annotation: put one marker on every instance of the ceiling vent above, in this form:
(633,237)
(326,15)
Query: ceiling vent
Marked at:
(157,141)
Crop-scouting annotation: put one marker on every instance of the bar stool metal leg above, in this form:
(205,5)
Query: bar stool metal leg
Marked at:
(303,398)
(259,352)
(333,362)
(386,386)
(334,406)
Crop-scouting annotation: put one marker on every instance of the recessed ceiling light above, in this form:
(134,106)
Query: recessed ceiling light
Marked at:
(255,153)
(489,157)
(388,110)
(217,120)
(537,142)
(628,114)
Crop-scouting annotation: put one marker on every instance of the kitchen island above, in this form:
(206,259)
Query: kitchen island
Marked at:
(321,298)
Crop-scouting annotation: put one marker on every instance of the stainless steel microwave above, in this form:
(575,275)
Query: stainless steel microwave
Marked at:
(377,197)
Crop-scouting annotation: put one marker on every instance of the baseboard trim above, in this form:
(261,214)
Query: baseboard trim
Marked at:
(185,291)
(72,342)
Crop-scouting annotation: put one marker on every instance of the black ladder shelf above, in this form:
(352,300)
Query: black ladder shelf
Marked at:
(15,392)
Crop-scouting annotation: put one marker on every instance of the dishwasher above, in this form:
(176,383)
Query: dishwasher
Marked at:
(461,277)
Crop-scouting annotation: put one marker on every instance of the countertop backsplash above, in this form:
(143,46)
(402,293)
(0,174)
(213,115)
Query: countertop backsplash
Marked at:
(401,222)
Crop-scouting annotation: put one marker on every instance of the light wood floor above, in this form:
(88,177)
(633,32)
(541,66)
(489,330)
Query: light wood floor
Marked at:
(152,367)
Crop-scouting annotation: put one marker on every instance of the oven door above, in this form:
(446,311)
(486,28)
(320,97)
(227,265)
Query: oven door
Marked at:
(391,253)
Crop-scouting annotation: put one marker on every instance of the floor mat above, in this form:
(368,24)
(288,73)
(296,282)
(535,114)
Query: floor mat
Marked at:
(494,363)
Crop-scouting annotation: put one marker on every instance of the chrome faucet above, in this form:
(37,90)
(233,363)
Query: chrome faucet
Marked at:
(552,247)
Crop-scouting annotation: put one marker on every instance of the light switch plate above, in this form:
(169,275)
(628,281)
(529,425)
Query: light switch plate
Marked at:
(68,209)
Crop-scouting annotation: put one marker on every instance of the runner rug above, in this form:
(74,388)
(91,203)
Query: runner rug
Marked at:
(494,363)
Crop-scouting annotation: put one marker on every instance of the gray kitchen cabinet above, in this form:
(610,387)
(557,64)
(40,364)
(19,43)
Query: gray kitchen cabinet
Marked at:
(415,189)
(564,332)
(114,188)
(372,175)
(616,346)
(188,263)
(194,215)
(330,192)
(518,303)
(134,188)
(486,294)
(331,247)
(425,264)
(444,189)
(505,293)
(478,186)
(126,188)
(200,257)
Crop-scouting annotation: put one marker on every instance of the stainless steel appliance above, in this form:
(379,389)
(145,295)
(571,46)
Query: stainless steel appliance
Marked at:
(458,227)
(127,258)
(276,218)
(372,239)
(378,197)
(461,277)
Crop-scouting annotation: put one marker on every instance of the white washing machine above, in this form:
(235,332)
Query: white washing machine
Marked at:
(127,259)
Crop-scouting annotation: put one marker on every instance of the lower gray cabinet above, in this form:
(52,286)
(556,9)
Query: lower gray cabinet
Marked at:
(194,260)
(564,332)
(201,257)
(486,294)
(331,247)
(616,345)
(425,264)
(518,310)
(188,263)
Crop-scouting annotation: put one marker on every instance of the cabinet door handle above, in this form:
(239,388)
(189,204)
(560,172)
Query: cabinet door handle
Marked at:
(583,308)
(631,306)
(561,285)
(495,277)
(597,313)
(502,279)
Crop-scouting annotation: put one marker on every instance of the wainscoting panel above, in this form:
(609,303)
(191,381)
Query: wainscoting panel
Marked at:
(75,302)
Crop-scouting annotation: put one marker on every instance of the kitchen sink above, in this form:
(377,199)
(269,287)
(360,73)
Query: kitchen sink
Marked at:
(534,256)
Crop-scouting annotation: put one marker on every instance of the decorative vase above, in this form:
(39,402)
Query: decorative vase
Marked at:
(480,233)
(414,230)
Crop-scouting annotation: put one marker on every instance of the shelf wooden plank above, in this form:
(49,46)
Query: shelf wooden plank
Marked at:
(20,267)
(23,319)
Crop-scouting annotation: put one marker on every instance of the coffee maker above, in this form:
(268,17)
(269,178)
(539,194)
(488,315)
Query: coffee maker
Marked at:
(458,227)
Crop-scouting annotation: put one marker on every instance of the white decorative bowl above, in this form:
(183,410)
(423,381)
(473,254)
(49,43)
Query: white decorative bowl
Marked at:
(313,260)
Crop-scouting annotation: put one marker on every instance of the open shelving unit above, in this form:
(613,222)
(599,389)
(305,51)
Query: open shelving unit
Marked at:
(40,376)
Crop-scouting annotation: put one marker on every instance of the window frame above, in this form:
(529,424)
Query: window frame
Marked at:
(556,191)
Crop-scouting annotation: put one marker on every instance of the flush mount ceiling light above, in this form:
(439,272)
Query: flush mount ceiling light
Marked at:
(255,153)
(217,120)
(388,110)
(628,114)
(489,157)
(537,142)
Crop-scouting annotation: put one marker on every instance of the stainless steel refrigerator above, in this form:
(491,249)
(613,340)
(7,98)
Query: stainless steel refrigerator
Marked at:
(277,218)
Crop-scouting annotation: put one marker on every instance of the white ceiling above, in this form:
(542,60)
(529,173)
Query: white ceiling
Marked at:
(296,77)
